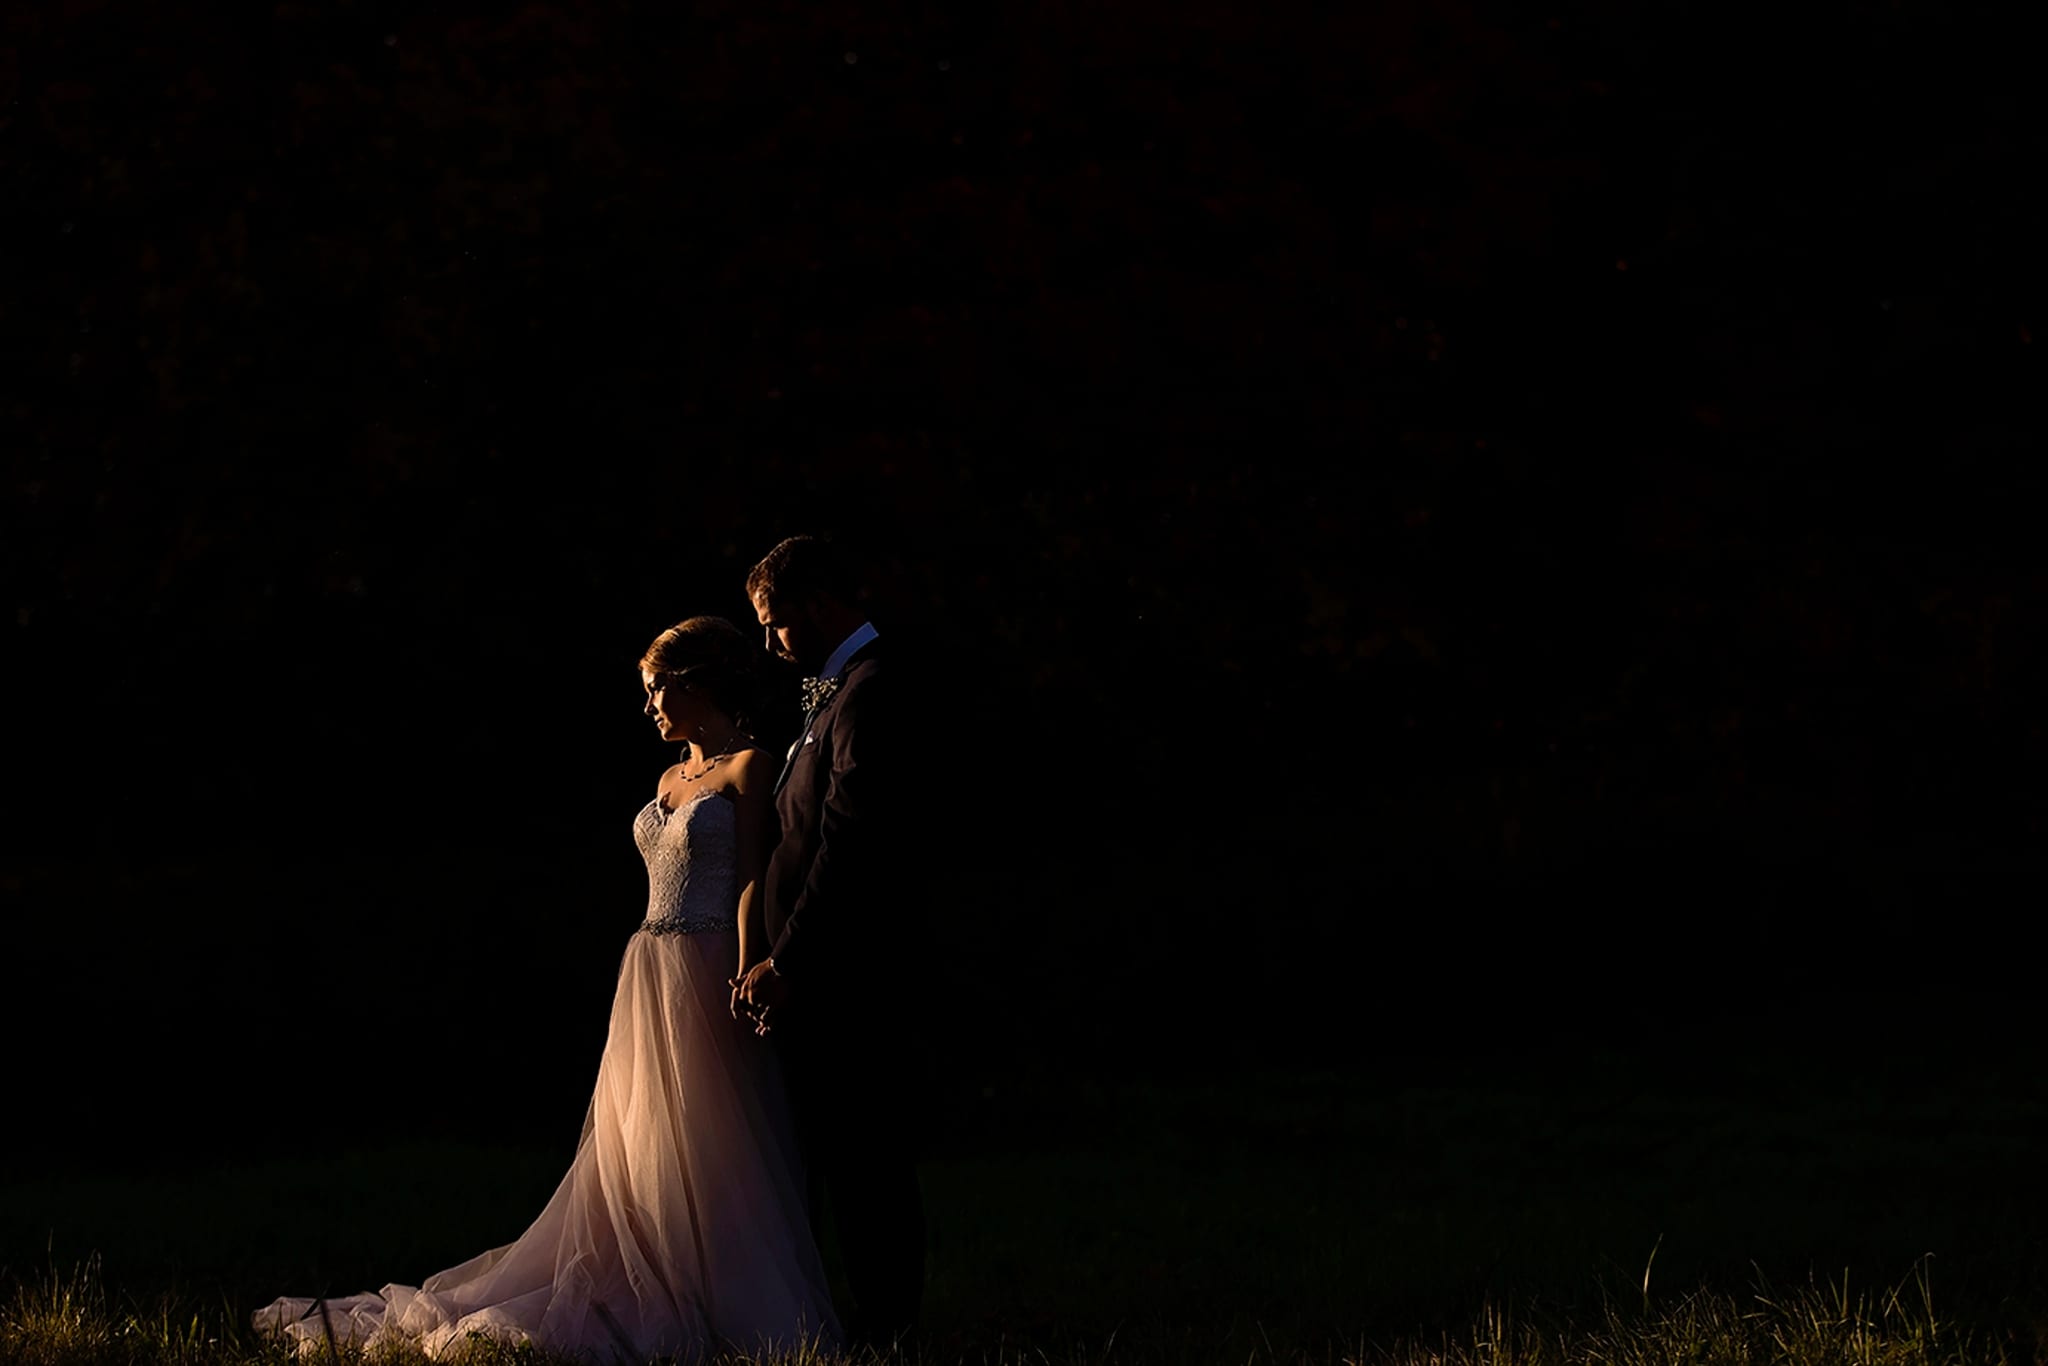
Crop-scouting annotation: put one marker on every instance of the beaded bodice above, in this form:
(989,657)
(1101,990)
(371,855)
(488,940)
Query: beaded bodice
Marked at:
(692,865)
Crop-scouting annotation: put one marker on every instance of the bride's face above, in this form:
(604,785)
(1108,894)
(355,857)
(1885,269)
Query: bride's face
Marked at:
(678,711)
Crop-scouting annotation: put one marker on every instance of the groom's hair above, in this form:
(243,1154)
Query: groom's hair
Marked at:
(801,568)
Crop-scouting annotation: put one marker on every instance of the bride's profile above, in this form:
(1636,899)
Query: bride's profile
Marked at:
(680,1228)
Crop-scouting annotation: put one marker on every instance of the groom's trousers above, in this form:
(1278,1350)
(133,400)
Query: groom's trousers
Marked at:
(856,1097)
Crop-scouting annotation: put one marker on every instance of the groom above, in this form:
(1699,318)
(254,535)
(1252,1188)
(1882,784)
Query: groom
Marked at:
(840,912)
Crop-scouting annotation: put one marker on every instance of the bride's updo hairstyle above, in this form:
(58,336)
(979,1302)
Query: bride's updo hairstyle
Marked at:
(712,655)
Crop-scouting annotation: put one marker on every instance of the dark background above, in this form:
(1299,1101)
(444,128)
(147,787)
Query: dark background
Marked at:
(1437,530)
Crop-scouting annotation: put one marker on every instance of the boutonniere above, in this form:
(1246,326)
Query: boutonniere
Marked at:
(818,691)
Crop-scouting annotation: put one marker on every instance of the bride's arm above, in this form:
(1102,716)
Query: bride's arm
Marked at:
(754,798)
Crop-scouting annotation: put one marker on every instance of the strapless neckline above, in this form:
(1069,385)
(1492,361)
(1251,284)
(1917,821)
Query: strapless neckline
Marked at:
(667,812)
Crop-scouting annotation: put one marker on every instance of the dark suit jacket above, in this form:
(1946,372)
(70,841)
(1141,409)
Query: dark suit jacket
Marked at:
(839,906)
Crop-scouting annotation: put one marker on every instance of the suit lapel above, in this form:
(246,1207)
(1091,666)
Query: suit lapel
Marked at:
(802,739)
(865,652)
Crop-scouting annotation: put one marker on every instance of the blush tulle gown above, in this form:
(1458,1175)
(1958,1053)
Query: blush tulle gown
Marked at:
(680,1228)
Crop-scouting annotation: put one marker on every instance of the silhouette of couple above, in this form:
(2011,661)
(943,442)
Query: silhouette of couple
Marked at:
(758,1063)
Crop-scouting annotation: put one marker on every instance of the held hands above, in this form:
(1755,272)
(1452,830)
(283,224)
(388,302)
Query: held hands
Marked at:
(758,992)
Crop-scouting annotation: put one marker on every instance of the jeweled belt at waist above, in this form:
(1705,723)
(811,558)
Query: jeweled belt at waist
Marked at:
(683,924)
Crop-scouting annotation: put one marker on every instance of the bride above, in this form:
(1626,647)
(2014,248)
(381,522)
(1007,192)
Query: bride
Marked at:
(680,1228)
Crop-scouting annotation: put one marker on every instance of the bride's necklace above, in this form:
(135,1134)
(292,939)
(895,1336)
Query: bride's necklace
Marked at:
(732,746)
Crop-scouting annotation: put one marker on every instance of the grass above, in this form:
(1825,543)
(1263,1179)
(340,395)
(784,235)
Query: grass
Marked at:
(1562,1205)
(69,1320)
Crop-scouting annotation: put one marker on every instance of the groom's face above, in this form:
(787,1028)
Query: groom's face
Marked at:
(792,631)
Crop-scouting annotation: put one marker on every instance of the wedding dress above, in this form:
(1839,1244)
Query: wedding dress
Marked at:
(680,1228)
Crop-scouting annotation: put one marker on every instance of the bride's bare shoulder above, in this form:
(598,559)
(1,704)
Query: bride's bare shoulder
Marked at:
(753,769)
